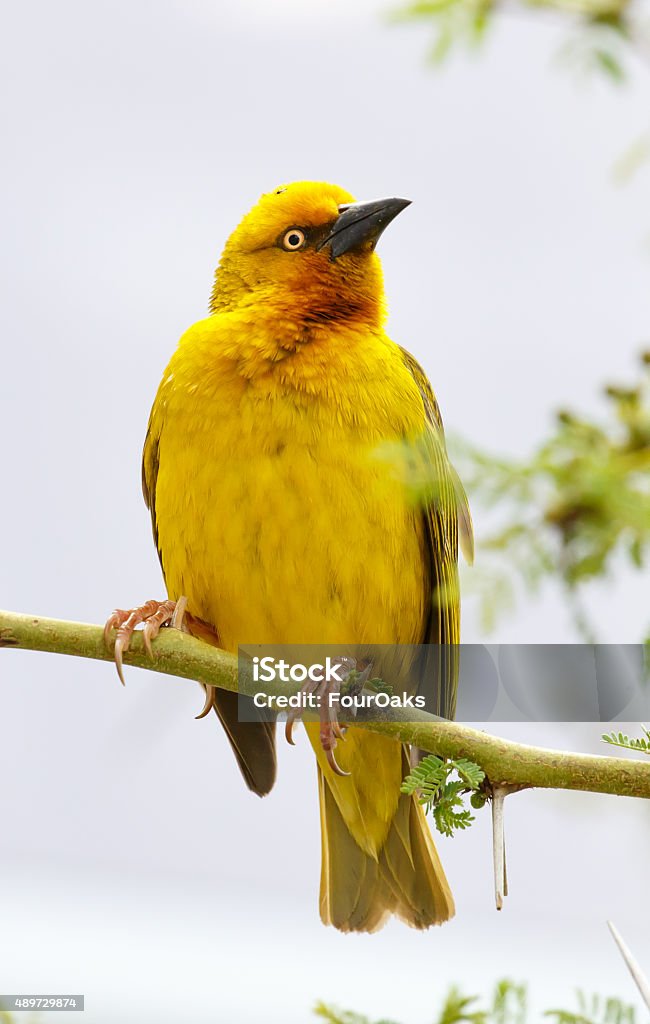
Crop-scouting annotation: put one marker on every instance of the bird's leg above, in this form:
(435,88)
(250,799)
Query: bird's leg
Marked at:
(310,687)
(182,619)
(330,729)
(151,615)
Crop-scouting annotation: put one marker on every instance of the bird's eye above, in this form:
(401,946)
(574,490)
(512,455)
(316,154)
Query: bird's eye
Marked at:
(293,239)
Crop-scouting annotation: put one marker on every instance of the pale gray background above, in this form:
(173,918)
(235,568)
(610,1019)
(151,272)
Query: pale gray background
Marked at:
(135,866)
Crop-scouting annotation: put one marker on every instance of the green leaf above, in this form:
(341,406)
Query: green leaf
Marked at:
(641,744)
(472,773)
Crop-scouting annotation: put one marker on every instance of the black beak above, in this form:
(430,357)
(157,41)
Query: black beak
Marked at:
(361,222)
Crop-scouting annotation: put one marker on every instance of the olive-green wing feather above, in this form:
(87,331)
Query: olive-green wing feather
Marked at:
(253,742)
(446,516)
(150,462)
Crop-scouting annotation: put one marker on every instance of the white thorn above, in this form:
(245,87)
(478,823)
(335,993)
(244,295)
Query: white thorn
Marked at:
(499,846)
(639,977)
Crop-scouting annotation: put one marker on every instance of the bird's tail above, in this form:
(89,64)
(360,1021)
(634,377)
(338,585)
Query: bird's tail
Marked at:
(359,892)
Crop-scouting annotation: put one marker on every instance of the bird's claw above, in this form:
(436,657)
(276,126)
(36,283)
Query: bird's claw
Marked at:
(310,687)
(209,700)
(333,763)
(151,615)
(330,728)
(330,732)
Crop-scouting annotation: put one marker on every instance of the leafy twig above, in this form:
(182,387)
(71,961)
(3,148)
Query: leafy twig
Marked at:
(619,739)
(570,511)
(441,785)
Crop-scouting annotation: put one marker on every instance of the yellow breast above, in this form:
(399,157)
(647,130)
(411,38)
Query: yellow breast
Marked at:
(275,514)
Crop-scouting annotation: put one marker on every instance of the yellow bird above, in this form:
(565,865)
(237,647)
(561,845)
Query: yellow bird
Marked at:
(278,516)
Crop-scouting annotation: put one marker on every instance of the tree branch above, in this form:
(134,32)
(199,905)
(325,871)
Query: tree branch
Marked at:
(504,763)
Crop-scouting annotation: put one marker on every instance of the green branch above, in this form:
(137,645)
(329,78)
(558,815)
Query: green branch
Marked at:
(504,763)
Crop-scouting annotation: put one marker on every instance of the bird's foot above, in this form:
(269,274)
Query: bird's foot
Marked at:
(348,678)
(151,616)
(355,679)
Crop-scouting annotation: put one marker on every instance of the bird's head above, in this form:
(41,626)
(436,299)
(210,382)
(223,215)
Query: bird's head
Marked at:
(306,250)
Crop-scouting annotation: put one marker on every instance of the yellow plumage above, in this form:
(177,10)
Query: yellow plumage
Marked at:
(277,515)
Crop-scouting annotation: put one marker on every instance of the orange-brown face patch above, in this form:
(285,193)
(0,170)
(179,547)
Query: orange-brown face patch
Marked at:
(274,257)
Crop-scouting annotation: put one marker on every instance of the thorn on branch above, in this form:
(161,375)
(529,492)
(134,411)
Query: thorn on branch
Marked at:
(639,977)
(499,794)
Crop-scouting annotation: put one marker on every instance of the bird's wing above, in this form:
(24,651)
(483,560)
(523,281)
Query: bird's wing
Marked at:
(253,742)
(150,454)
(446,518)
